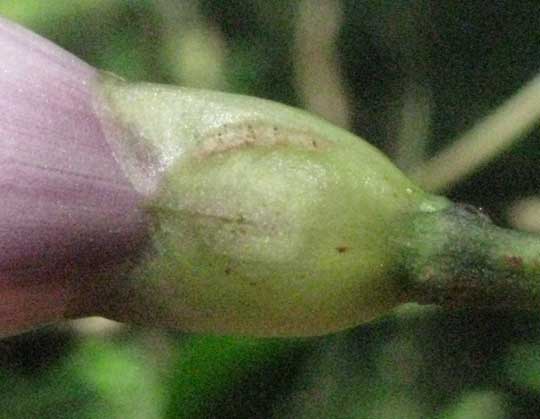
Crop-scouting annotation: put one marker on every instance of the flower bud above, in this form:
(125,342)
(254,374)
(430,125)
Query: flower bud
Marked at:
(197,210)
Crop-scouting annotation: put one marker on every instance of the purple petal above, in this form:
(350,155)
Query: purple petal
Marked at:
(66,207)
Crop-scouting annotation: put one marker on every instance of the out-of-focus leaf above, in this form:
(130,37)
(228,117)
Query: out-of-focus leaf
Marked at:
(364,373)
(122,376)
(523,366)
(478,405)
(98,381)
(41,13)
(209,369)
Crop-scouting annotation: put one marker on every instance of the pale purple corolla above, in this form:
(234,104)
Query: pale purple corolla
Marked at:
(67,211)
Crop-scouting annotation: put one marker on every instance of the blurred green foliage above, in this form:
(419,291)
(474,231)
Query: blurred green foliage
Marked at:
(414,364)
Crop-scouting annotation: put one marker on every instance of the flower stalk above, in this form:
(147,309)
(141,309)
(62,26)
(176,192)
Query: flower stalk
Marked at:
(457,258)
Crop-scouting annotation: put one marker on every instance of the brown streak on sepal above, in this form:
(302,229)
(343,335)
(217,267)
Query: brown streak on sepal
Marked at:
(231,137)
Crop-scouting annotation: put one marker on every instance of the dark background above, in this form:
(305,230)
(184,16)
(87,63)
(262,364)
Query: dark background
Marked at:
(410,76)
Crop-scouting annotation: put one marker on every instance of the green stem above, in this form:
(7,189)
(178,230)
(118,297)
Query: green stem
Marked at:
(458,258)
